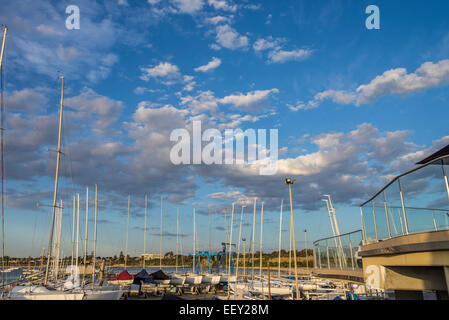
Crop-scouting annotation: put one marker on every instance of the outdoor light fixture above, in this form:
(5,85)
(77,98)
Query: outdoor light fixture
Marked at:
(289,181)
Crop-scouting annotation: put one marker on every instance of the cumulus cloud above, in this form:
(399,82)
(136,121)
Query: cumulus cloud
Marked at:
(222,5)
(218,19)
(391,82)
(398,81)
(281,56)
(205,101)
(268,43)
(188,6)
(47,30)
(213,64)
(243,101)
(105,110)
(162,70)
(28,100)
(229,38)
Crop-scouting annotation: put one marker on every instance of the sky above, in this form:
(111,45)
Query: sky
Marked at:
(353,108)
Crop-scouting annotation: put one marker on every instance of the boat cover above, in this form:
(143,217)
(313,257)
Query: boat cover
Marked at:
(124,275)
(159,275)
(142,276)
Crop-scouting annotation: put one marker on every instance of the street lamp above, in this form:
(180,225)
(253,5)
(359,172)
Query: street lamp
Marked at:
(289,182)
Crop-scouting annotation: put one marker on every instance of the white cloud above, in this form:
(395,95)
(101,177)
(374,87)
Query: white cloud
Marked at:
(29,100)
(249,99)
(190,84)
(49,31)
(105,109)
(218,19)
(394,81)
(203,102)
(300,105)
(162,70)
(162,119)
(222,5)
(142,90)
(214,63)
(398,81)
(228,38)
(340,97)
(281,56)
(188,6)
(268,43)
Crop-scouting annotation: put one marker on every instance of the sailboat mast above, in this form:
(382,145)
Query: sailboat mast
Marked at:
(145,232)
(86,232)
(95,236)
(77,227)
(209,235)
(177,237)
(253,235)
(73,230)
(59,239)
(230,241)
(55,193)
(226,238)
(5,29)
(127,227)
(261,233)
(280,240)
(194,242)
(160,241)
(240,237)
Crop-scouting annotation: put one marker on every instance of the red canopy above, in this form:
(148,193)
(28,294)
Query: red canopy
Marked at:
(124,275)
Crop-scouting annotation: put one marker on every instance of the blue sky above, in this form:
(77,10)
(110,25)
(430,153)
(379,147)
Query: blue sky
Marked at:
(353,107)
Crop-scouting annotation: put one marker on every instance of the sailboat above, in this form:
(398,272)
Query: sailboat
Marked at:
(124,278)
(70,289)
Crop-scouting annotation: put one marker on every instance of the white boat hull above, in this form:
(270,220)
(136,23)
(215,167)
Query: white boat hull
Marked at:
(195,280)
(103,295)
(211,279)
(121,282)
(178,280)
(42,293)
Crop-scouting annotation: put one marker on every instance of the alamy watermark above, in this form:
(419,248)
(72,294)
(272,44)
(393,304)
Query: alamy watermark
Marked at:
(373,20)
(73,20)
(220,148)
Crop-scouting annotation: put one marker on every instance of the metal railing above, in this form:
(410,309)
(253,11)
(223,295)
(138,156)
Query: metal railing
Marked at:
(339,252)
(415,201)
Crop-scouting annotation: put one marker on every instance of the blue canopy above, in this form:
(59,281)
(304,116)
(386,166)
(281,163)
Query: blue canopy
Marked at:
(142,276)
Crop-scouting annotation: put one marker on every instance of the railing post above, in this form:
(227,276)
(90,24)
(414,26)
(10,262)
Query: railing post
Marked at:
(375,223)
(386,214)
(319,257)
(434,222)
(403,207)
(352,253)
(363,226)
(445,179)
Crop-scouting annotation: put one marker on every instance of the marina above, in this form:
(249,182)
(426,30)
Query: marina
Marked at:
(105,201)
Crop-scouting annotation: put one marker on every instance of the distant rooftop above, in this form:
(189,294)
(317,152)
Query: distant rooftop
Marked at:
(440,153)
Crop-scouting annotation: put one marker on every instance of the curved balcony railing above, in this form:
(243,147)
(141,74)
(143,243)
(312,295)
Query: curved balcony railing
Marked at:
(339,252)
(413,202)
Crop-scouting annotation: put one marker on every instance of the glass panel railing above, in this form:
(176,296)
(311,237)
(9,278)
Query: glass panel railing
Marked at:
(368,219)
(414,202)
(339,252)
